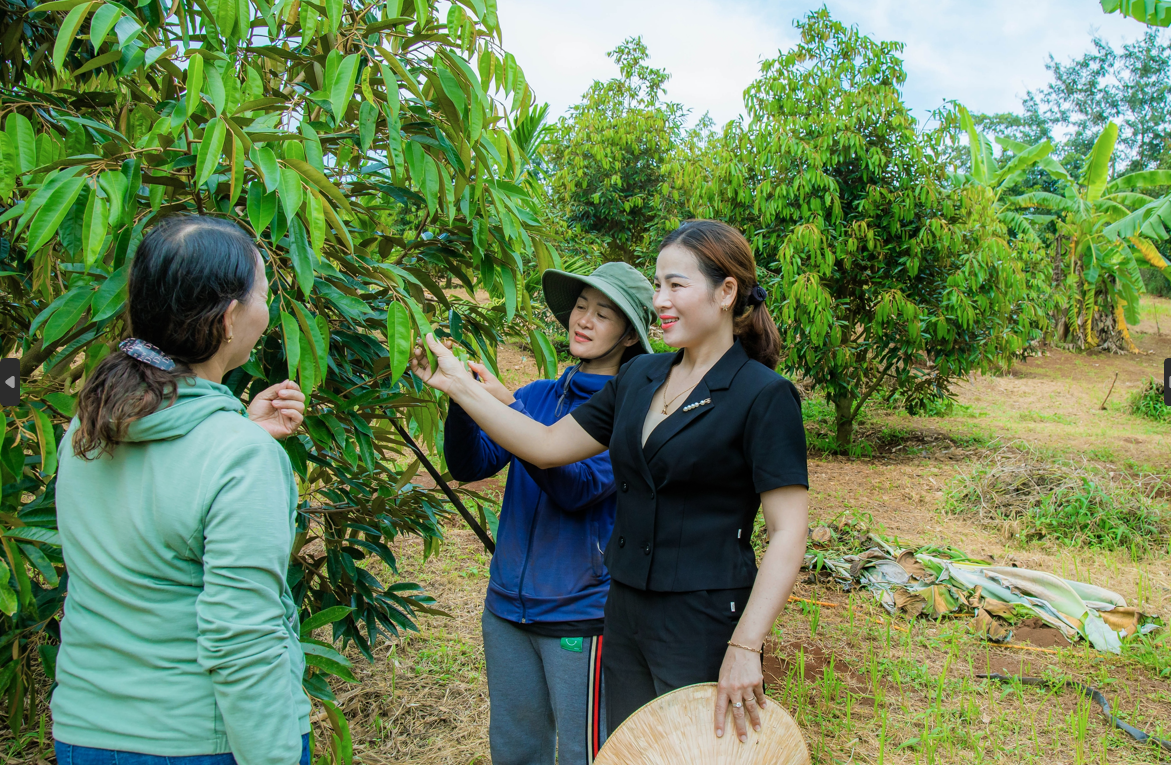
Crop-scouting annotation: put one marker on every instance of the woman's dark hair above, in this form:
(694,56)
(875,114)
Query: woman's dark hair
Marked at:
(185,274)
(722,251)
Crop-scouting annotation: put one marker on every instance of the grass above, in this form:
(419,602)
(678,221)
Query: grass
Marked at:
(1034,497)
(868,688)
(1147,402)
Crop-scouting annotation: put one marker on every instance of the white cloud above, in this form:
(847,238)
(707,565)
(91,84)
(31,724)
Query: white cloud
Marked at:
(986,54)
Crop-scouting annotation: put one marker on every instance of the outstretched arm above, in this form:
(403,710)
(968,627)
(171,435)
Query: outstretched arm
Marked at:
(545,446)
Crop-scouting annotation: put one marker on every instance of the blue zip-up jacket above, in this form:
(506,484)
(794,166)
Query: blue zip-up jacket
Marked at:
(554,524)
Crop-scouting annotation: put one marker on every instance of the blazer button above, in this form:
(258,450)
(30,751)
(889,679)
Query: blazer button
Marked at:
(622,541)
(624,486)
(646,548)
(652,495)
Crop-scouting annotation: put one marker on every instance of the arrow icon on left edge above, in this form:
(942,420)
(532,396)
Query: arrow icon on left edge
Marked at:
(10,374)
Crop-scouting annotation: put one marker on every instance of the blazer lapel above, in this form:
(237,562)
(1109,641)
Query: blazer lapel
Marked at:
(698,403)
(640,404)
(715,382)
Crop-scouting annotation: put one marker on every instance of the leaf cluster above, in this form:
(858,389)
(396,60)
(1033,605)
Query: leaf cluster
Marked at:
(368,148)
(883,272)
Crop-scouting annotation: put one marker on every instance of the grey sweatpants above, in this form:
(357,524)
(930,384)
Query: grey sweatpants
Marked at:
(545,694)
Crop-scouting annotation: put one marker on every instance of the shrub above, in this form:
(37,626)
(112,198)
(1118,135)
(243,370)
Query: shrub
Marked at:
(1147,402)
(1035,498)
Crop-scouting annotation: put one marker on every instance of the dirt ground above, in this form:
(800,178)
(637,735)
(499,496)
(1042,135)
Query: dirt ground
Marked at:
(863,686)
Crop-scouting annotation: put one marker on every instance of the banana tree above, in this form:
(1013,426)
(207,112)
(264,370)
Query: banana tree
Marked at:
(999,175)
(1155,13)
(1101,279)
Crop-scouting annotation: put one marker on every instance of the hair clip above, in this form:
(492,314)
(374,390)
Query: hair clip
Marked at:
(696,405)
(141,350)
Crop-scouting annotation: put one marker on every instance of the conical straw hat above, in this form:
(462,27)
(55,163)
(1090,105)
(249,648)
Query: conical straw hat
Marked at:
(676,729)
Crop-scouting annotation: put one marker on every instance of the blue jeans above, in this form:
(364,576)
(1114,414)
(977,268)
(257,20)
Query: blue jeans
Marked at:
(67,754)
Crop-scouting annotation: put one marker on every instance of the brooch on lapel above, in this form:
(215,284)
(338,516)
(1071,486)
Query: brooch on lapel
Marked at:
(696,405)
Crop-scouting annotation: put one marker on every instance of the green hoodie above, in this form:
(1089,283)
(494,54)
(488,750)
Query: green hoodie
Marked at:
(180,636)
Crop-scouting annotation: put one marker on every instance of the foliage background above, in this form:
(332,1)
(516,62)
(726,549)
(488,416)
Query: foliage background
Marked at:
(371,150)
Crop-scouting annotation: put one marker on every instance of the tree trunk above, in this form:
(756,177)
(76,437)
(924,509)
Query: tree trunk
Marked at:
(844,408)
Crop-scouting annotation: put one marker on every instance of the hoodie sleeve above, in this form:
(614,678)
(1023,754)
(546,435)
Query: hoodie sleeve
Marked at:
(245,638)
(577,486)
(471,455)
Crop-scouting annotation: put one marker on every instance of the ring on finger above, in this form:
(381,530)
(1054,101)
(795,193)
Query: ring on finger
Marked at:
(750,700)
(738,704)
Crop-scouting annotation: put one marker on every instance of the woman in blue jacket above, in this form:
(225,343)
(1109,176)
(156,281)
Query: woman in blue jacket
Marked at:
(542,618)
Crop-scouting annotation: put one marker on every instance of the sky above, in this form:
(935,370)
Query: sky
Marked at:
(987,54)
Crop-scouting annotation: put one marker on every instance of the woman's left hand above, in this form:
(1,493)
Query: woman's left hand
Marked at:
(741,686)
(279,409)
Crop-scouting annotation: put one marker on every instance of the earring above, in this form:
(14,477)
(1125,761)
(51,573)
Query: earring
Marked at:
(725,308)
(229,338)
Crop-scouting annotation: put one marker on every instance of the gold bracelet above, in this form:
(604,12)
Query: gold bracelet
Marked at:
(746,648)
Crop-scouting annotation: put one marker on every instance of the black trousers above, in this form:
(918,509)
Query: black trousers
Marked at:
(659,641)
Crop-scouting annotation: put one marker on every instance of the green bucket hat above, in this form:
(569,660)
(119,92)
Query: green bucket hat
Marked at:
(631,292)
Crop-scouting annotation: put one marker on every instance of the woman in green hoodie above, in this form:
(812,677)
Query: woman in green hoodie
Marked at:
(177,510)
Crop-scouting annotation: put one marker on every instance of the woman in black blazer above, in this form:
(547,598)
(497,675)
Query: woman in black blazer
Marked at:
(699,440)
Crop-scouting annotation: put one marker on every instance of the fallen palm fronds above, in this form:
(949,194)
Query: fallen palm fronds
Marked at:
(934,582)
(1031,496)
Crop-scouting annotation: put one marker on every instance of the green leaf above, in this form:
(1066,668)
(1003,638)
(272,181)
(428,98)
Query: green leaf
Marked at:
(289,192)
(67,314)
(9,166)
(333,11)
(115,186)
(301,256)
(342,88)
(318,688)
(292,337)
(261,207)
(322,618)
(67,35)
(210,151)
(330,667)
(62,402)
(213,85)
(41,563)
(539,339)
(194,82)
(1140,180)
(8,605)
(316,222)
(265,160)
(93,229)
(103,21)
(47,440)
(508,282)
(110,297)
(24,140)
(431,182)
(34,534)
(367,122)
(1098,165)
(398,339)
(313,648)
(323,184)
(52,212)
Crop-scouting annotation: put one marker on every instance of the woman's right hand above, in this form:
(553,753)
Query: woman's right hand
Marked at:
(450,372)
(492,384)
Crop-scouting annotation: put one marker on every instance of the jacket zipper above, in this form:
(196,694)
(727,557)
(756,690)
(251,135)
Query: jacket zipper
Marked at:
(524,569)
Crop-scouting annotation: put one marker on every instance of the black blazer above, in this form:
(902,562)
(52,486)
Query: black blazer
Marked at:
(687,501)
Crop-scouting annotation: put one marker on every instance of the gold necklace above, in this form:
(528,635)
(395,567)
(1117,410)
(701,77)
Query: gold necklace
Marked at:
(666,384)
